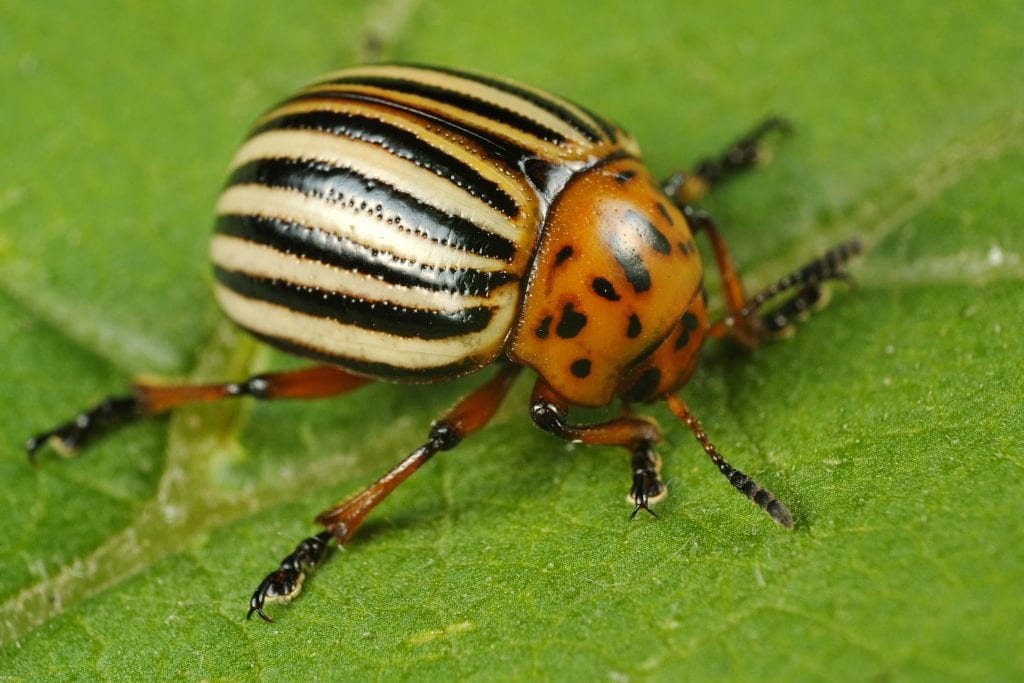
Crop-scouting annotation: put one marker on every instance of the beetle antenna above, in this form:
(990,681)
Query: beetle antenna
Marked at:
(743,483)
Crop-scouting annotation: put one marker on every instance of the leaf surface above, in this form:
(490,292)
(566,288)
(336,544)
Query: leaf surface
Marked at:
(891,423)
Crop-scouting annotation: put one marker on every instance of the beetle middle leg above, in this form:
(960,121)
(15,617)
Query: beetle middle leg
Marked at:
(342,520)
(150,398)
(550,412)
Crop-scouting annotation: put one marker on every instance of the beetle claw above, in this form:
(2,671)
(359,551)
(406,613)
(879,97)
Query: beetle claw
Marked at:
(285,582)
(279,585)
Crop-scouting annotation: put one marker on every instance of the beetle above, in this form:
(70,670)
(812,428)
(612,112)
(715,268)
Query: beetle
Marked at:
(415,224)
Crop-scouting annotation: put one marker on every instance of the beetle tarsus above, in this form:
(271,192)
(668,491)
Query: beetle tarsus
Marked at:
(67,438)
(689,186)
(746,485)
(285,582)
(647,485)
(829,266)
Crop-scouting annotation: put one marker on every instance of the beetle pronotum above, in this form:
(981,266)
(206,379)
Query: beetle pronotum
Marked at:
(416,224)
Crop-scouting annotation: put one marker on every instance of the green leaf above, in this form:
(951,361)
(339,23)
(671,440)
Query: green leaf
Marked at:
(890,424)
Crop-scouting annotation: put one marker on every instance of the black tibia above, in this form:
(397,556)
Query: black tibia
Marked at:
(286,581)
(761,496)
(70,436)
(829,266)
(744,153)
(647,486)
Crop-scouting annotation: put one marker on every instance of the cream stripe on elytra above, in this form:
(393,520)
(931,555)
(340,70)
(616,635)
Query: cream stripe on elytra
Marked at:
(488,169)
(475,89)
(376,163)
(367,346)
(239,255)
(360,227)
(537,146)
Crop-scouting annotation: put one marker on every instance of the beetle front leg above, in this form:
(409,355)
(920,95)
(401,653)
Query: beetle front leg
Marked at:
(686,187)
(343,520)
(550,412)
(746,485)
(807,280)
(744,319)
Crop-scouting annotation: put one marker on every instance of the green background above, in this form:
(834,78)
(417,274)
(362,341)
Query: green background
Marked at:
(890,423)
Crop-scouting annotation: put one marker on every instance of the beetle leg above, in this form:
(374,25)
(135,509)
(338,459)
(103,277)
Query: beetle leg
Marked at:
(688,187)
(342,520)
(743,319)
(550,412)
(151,398)
(807,282)
(743,327)
(744,484)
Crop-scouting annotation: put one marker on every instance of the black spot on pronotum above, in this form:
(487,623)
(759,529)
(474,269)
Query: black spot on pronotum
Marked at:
(633,331)
(543,328)
(664,212)
(580,368)
(690,321)
(645,385)
(683,339)
(622,177)
(605,289)
(648,232)
(682,248)
(563,253)
(632,266)
(571,323)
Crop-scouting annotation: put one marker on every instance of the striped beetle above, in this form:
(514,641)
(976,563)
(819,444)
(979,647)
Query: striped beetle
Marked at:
(416,224)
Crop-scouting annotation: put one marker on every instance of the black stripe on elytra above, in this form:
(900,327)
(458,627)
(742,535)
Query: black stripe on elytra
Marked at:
(468,103)
(648,231)
(316,245)
(610,131)
(503,150)
(403,144)
(380,316)
(346,185)
(542,100)
(384,371)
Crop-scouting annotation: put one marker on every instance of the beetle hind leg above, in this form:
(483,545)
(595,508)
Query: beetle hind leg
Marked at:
(149,398)
(68,437)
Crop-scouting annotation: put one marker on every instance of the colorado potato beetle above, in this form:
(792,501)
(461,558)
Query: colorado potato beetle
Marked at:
(416,224)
